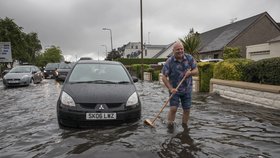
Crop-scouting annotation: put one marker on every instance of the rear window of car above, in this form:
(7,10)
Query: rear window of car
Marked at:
(93,72)
(20,69)
(52,66)
(65,66)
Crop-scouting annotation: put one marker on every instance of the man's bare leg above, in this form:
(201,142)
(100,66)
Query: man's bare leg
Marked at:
(185,118)
(172,115)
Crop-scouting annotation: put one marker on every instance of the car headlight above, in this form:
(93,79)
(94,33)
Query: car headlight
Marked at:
(132,100)
(25,76)
(67,100)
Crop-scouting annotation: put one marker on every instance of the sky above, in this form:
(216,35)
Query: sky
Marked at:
(76,25)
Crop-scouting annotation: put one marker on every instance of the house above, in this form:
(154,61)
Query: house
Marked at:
(269,49)
(133,50)
(254,30)
(166,52)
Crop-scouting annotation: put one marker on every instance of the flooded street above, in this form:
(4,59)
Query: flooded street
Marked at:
(217,128)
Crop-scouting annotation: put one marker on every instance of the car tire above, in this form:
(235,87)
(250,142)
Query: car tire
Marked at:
(32,81)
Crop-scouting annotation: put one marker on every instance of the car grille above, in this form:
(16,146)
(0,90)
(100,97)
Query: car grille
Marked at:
(93,105)
(16,79)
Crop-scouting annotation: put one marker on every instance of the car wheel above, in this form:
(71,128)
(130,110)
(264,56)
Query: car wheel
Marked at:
(32,81)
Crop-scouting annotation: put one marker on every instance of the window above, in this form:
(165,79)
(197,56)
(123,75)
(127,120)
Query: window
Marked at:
(260,53)
(216,56)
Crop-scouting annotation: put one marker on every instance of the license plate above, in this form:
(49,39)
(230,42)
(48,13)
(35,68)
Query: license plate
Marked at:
(101,116)
(13,81)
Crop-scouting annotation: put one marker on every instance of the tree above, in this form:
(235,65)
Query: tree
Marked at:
(51,55)
(24,46)
(33,45)
(191,43)
(114,55)
(231,52)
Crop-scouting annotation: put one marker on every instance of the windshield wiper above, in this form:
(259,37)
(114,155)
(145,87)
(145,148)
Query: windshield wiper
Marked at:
(123,82)
(83,82)
(103,82)
(97,81)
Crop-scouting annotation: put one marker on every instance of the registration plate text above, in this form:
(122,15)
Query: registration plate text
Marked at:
(101,116)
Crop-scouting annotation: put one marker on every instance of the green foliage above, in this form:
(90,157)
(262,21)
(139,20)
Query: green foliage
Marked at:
(51,55)
(191,43)
(264,71)
(231,52)
(231,69)
(127,61)
(205,74)
(24,46)
(137,69)
(113,55)
(155,75)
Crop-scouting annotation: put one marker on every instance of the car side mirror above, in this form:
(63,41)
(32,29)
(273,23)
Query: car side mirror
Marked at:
(135,79)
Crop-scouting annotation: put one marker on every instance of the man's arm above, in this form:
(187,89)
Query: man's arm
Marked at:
(167,84)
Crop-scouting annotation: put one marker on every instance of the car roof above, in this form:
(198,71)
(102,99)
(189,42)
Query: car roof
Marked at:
(98,62)
(25,66)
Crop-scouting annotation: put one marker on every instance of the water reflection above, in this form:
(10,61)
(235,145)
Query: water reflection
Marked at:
(99,136)
(180,145)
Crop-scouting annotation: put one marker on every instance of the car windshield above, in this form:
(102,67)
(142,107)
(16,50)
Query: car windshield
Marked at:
(99,74)
(51,66)
(65,66)
(21,70)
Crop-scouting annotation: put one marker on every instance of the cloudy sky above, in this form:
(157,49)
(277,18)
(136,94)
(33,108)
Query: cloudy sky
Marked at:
(76,25)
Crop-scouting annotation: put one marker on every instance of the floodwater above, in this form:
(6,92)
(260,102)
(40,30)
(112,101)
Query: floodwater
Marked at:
(217,128)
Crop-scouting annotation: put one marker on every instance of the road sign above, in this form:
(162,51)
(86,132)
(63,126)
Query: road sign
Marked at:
(5,52)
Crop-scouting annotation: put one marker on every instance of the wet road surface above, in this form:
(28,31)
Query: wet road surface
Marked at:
(217,128)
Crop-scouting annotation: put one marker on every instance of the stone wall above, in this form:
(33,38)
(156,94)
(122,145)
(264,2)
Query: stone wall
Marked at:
(253,93)
(195,84)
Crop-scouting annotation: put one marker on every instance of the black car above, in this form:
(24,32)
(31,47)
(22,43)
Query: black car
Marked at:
(50,70)
(98,93)
(63,70)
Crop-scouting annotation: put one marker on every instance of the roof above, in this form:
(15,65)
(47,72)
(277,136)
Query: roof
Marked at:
(218,38)
(149,46)
(163,50)
(274,39)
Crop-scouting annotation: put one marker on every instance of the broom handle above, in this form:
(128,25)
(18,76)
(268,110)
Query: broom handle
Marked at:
(168,99)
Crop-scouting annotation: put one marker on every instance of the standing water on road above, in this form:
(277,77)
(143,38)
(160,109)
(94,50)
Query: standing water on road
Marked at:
(217,127)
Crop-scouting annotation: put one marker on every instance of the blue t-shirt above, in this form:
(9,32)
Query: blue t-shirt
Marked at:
(176,70)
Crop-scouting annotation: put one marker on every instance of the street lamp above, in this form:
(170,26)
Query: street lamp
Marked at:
(105,49)
(110,37)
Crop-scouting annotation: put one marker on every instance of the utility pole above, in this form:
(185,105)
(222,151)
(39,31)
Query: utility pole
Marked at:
(141,23)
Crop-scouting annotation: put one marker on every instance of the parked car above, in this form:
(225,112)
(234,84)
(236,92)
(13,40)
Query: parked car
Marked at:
(50,70)
(63,70)
(98,93)
(211,60)
(23,76)
(5,71)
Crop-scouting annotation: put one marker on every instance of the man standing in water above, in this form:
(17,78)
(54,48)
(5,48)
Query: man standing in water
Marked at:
(176,67)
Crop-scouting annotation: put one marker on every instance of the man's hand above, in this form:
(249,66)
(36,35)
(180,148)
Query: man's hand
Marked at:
(173,90)
(188,73)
